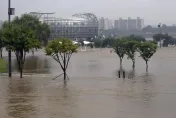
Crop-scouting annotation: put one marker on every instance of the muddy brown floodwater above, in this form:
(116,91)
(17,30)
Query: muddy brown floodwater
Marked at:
(94,89)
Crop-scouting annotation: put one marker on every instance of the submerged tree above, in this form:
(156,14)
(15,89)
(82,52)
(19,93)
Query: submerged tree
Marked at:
(146,50)
(119,48)
(131,48)
(20,39)
(61,50)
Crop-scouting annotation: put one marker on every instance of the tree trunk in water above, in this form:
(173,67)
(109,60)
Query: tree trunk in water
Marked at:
(21,72)
(120,62)
(65,76)
(133,64)
(64,68)
(1,52)
(33,52)
(146,66)
(21,63)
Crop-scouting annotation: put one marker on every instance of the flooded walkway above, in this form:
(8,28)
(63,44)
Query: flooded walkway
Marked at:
(94,89)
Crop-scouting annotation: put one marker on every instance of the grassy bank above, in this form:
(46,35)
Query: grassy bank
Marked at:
(3,66)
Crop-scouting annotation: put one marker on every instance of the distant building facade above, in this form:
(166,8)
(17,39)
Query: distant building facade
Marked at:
(116,24)
(122,24)
(73,28)
(111,24)
(129,24)
(101,23)
(105,24)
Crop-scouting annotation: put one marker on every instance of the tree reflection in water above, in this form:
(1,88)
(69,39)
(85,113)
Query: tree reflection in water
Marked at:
(35,64)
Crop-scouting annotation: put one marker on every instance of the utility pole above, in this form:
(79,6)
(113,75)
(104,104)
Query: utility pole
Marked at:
(11,11)
(9,51)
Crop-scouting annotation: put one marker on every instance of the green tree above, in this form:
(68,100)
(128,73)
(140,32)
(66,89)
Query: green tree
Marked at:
(146,50)
(120,49)
(165,37)
(131,47)
(1,43)
(41,30)
(61,50)
(98,43)
(44,33)
(108,42)
(20,39)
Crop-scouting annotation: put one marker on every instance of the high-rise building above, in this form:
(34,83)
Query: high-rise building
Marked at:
(139,23)
(123,24)
(129,24)
(116,24)
(106,23)
(101,23)
(111,24)
(132,24)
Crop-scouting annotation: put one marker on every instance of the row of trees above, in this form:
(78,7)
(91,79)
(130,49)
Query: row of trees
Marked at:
(62,49)
(110,41)
(129,47)
(22,35)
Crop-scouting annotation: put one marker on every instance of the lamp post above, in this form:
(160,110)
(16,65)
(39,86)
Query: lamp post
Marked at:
(11,11)
(159,26)
(9,51)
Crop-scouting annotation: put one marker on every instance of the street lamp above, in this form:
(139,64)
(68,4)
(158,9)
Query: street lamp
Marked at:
(11,11)
(159,26)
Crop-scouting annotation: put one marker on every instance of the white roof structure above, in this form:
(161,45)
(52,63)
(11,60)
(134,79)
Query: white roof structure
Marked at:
(86,42)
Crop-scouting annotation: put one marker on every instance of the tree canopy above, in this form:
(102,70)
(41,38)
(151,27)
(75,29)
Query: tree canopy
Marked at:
(120,49)
(131,47)
(61,50)
(146,50)
(41,30)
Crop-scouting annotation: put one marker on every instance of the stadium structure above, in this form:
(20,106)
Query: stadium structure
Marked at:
(80,26)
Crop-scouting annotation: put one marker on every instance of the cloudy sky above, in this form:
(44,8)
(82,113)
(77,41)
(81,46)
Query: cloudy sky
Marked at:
(153,11)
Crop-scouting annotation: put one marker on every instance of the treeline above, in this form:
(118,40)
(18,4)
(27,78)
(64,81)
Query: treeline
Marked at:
(110,41)
(129,45)
(163,28)
(165,38)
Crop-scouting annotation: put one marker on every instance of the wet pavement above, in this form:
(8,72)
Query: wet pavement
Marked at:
(94,89)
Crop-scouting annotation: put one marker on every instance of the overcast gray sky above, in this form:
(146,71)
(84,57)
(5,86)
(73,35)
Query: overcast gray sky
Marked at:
(152,11)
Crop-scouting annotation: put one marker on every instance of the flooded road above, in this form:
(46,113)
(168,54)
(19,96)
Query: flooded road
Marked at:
(94,89)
